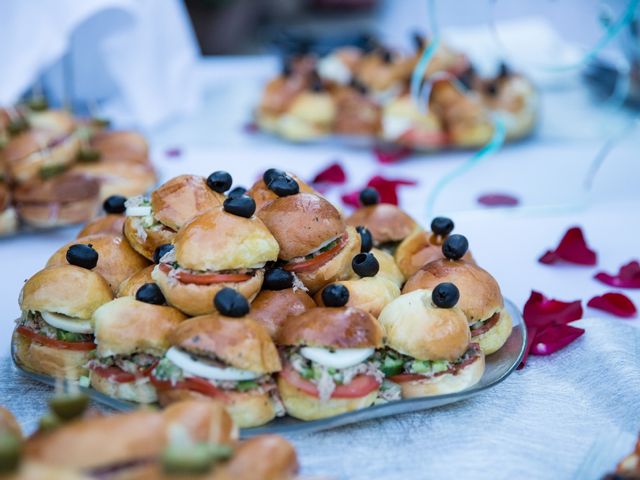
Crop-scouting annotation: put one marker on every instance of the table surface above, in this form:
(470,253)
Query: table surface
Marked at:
(574,410)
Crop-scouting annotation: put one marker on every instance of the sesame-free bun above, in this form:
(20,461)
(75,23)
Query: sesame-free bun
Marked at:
(388,268)
(386,222)
(195,299)
(447,383)
(307,407)
(493,339)
(416,327)
(240,342)
(262,195)
(118,178)
(370,294)
(116,259)
(139,391)
(121,146)
(146,240)
(480,295)
(129,287)
(55,362)
(9,424)
(110,223)
(182,198)
(266,457)
(310,115)
(272,307)
(302,223)
(206,420)
(331,327)
(125,326)
(55,289)
(217,240)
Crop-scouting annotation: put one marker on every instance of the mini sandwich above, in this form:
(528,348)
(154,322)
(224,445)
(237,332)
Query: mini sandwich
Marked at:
(225,355)
(8,217)
(48,146)
(387,265)
(315,243)
(54,335)
(327,351)
(65,199)
(112,222)
(428,344)
(444,59)
(480,297)
(405,124)
(370,291)
(357,113)
(282,295)
(422,247)
(132,335)
(338,67)
(225,247)
(120,146)
(388,224)
(118,178)
(129,287)
(262,194)
(154,222)
(384,73)
(265,457)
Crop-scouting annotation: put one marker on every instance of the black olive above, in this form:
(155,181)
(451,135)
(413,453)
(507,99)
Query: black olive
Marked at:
(503,70)
(243,206)
(269,175)
(277,279)
(467,77)
(82,255)
(335,295)
(455,246)
(219,181)
(284,186)
(231,303)
(161,251)
(115,204)
(366,239)
(358,86)
(286,70)
(316,84)
(492,89)
(442,226)
(419,41)
(445,295)
(369,196)
(150,293)
(386,55)
(365,264)
(237,192)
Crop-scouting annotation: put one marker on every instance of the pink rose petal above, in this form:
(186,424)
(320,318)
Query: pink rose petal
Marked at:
(554,338)
(333,174)
(627,277)
(540,311)
(498,200)
(572,248)
(614,303)
(391,153)
(352,199)
(174,152)
(387,188)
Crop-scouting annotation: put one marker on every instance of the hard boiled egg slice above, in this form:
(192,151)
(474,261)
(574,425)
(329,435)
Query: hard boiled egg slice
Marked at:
(69,324)
(340,358)
(200,367)
(140,211)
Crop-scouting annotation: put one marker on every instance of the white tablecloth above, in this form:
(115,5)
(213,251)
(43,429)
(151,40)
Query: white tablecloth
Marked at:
(576,407)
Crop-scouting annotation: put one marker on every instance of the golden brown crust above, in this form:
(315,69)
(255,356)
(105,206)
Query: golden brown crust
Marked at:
(146,243)
(480,295)
(139,391)
(182,198)
(206,420)
(240,342)
(267,457)
(217,240)
(386,222)
(271,308)
(129,287)
(302,223)
(9,424)
(116,259)
(262,195)
(344,327)
(357,114)
(121,146)
(125,326)
(54,289)
(370,294)
(48,215)
(492,340)
(388,267)
(119,178)
(195,299)
(111,224)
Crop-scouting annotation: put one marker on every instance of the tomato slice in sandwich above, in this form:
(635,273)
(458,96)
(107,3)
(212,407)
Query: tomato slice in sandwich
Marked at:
(194,384)
(359,387)
(319,260)
(54,343)
(206,278)
(114,374)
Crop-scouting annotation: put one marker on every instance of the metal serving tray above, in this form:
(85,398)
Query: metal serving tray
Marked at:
(498,367)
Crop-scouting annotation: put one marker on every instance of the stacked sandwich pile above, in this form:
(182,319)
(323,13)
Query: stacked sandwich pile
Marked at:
(269,300)
(194,439)
(56,169)
(366,93)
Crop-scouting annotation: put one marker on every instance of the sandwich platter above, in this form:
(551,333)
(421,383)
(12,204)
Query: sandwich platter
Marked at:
(498,367)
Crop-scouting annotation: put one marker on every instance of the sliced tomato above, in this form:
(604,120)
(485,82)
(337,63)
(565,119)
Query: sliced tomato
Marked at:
(319,260)
(406,377)
(194,384)
(206,278)
(359,387)
(53,343)
(114,373)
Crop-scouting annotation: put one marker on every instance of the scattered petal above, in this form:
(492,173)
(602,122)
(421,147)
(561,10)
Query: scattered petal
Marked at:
(250,128)
(572,248)
(352,199)
(333,174)
(616,304)
(391,153)
(174,152)
(498,200)
(531,335)
(387,188)
(627,277)
(554,338)
(540,311)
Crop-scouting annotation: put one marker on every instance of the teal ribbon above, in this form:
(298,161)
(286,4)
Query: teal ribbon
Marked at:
(417,76)
(494,144)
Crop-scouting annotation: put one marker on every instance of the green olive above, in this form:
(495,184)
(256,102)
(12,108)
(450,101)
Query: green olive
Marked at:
(88,155)
(38,104)
(17,125)
(68,406)
(100,122)
(10,449)
(49,422)
(193,459)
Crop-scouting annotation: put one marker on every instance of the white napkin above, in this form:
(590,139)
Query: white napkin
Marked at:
(135,58)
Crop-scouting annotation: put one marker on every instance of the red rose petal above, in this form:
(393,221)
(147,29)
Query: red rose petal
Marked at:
(554,338)
(531,335)
(498,200)
(616,304)
(627,277)
(572,248)
(174,152)
(391,153)
(333,174)
(540,311)
(387,188)
(351,199)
